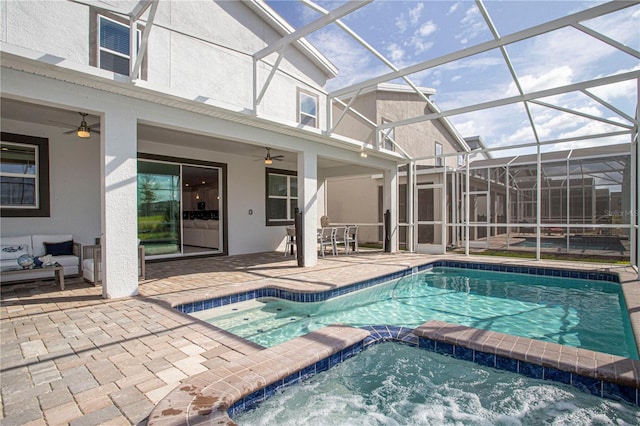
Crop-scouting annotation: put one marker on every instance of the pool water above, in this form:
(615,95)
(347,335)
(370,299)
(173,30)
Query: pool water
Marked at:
(576,243)
(394,384)
(574,312)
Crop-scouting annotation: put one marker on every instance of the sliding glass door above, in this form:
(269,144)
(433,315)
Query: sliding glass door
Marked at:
(179,208)
(159,207)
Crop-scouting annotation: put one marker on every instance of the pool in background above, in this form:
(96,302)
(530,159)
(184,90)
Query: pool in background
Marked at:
(390,383)
(575,243)
(564,310)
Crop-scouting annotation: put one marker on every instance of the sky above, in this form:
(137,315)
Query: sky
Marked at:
(410,32)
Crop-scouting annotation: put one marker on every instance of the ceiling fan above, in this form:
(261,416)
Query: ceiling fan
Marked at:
(269,158)
(83,130)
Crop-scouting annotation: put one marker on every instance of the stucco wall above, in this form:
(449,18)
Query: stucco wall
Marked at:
(198,49)
(74,186)
(418,140)
(354,200)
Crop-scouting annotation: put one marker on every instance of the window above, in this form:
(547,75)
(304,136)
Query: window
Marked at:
(110,44)
(389,136)
(282,197)
(115,51)
(438,154)
(308,107)
(24,176)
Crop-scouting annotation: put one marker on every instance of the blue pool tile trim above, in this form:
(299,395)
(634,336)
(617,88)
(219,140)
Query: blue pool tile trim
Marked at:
(310,297)
(403,335)
(253,399)
(590,385)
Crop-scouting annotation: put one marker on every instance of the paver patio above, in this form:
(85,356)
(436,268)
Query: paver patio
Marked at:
(72,357)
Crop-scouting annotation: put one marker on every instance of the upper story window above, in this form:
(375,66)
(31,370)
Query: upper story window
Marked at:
(389,136)
(110,44)
(307,109)
(282,197)
(24,176)
(114,47)
(438,154)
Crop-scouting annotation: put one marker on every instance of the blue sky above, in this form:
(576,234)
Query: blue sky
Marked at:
(409,32)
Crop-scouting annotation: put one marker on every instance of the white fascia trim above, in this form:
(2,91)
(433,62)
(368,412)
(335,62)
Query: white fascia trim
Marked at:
(41,64)
(282,27)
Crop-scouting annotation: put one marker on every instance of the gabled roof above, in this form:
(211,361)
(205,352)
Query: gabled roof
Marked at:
(283,28)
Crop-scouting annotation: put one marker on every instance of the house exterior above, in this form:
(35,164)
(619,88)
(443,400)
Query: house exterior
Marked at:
(178,130)
(436,149)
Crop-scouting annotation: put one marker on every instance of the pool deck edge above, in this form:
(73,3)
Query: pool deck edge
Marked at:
(205,398)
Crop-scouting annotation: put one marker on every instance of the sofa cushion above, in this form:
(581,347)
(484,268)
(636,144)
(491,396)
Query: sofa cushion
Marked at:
(40,239)
(59,249)
(13,251)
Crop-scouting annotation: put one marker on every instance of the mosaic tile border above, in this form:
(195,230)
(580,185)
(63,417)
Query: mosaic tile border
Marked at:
(253,399)
(378,334)
(306,297)
(593,386)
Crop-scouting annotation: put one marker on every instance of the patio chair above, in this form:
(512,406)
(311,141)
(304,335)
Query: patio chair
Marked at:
(327,237)
(351,237)
(291,242)
(341,238)
(92,265)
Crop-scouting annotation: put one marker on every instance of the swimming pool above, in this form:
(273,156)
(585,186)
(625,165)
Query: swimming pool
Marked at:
(575,243)
(574,312)
(391,383)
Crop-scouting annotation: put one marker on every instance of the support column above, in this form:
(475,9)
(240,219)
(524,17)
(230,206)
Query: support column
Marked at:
(390,191)
(118,171)
(308,203)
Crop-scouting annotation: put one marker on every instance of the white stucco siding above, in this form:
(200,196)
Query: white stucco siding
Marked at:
(48,26)
(214,73)
(74,186)
(196,49)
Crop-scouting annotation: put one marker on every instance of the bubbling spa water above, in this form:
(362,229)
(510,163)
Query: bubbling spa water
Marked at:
(395,384)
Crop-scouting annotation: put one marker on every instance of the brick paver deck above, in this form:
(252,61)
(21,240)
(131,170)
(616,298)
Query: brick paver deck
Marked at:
(71,357)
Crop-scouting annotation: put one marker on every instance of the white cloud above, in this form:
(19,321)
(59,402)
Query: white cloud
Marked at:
(395,52)
(453,8)
(401,23)
(354,63)
(554,77)
(427,29)
(472,25)
(456,78)
(415,13)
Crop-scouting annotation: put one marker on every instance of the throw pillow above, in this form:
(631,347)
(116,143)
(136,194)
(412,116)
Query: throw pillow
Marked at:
(13,251)
(59,249)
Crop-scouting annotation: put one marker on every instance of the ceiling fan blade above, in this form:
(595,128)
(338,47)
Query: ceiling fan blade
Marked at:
(68,132)
(64,124)
(278,157)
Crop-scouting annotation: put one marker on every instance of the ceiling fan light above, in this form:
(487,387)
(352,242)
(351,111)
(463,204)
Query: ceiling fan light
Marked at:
(268,161)
(84,132)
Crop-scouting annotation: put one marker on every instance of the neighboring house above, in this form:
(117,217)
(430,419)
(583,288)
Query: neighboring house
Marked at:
(433,145)
(181,101)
